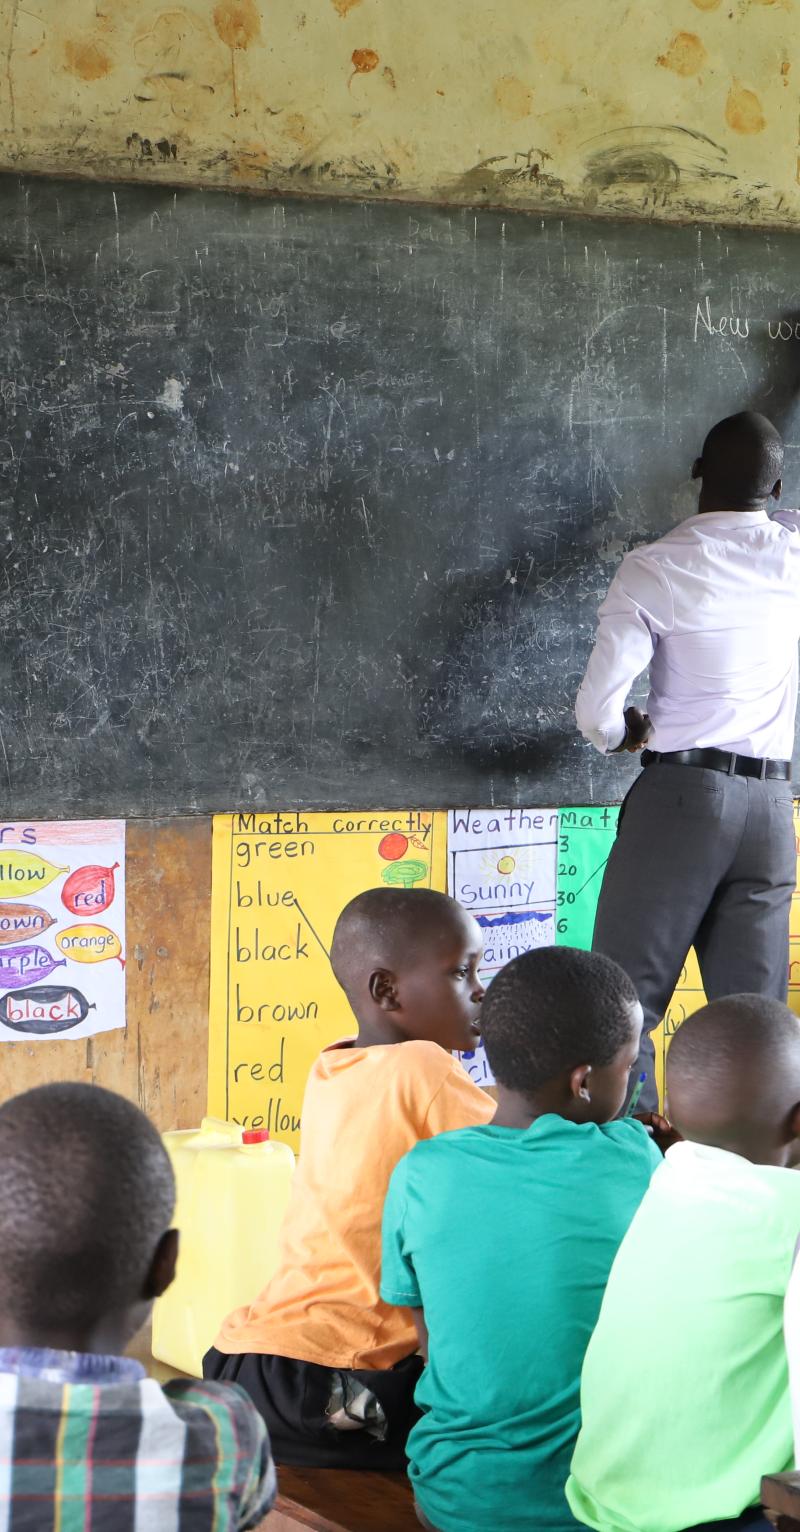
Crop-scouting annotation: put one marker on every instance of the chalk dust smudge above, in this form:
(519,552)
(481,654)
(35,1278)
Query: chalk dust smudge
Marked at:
(172,393)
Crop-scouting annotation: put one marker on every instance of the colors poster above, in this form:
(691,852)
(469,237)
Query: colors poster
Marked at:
(62,929)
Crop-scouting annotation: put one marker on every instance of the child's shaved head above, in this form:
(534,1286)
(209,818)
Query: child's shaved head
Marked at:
(733,1077)
(86,1194)
(407,959)
(388,927)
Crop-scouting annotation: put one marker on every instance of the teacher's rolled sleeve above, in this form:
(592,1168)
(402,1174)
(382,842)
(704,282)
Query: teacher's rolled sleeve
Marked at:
(636,612)
(399,1284)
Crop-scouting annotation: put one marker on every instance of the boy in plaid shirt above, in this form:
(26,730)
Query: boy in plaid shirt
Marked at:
(86,1199)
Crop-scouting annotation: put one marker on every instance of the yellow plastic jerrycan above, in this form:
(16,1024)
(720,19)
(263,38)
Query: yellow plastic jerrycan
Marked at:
(233,1187)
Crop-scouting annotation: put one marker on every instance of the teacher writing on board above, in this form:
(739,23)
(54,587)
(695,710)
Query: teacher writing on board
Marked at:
(705,851)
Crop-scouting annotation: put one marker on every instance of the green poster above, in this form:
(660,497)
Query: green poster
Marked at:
(585,838)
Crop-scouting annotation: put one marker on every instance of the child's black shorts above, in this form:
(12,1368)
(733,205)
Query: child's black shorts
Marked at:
(299,1400)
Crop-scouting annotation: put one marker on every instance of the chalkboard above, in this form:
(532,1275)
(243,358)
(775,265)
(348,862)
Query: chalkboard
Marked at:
(312,504)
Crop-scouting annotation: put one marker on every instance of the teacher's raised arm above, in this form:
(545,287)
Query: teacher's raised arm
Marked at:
(705,853)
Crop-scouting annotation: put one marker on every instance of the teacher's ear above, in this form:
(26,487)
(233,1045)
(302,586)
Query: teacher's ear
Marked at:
(697,468)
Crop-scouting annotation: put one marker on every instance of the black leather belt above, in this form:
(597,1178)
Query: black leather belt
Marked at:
(722,760)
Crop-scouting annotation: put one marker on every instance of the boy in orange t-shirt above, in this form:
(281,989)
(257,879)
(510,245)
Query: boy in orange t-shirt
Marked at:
(329,1365)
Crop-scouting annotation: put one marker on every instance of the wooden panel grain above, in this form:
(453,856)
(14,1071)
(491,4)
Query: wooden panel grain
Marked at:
(341,1500)
(160,1059)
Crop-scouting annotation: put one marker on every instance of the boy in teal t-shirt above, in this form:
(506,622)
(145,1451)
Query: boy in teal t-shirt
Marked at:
(500,1238)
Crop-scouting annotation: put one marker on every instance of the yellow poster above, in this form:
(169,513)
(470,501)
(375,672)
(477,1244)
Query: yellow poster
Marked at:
(279,882)
(794,924)
(688,997)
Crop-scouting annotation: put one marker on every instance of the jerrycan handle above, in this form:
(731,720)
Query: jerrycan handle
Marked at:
(222,1129)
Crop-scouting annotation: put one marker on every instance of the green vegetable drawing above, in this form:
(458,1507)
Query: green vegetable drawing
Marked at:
(405,873)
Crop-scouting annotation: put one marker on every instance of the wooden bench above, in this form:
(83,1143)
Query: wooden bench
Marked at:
(780,1497)
(334,1500)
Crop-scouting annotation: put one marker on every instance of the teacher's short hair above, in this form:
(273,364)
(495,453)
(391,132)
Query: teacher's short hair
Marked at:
(552,1009)
(742,457)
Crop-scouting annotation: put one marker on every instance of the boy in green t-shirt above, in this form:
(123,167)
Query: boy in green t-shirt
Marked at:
(703,1271)
(500,1239)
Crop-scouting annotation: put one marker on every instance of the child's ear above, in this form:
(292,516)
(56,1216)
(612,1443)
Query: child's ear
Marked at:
(580,1083)
(697,468)
(777,489)
(162,1267)
(793,1124)
(383,989)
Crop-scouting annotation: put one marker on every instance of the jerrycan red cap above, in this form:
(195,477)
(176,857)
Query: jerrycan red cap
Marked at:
(255,1135)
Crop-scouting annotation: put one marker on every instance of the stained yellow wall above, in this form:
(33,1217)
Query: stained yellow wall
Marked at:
(677,107)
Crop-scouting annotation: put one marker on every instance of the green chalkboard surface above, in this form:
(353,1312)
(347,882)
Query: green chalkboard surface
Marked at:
(313,504)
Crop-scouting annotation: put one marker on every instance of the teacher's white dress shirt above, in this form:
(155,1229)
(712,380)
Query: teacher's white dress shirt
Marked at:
(714,609)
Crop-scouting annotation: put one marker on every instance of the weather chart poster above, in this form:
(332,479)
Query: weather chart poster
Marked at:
(501,866)
(62,929)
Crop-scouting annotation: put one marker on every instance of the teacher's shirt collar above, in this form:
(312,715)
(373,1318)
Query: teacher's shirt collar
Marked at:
(731,518)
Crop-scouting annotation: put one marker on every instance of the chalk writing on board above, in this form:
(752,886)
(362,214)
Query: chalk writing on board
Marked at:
(737,326)
(279,882)
(501,866)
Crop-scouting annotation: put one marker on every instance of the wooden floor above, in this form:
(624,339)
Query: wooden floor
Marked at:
(335,1500)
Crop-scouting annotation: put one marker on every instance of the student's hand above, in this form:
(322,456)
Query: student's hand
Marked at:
(638,729)
(662,1131)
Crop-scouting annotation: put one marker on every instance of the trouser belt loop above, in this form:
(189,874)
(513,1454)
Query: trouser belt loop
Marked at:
(732,764)
(763,772)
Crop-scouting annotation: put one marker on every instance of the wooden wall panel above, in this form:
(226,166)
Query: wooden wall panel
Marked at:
(160,1060)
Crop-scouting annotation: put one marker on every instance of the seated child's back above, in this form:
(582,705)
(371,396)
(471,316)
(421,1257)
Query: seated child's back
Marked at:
(330,1366)
(502,1236)
(86,1198)
(698,1289)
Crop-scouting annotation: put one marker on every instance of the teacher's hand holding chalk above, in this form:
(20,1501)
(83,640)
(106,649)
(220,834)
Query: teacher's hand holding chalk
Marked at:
(638,729)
